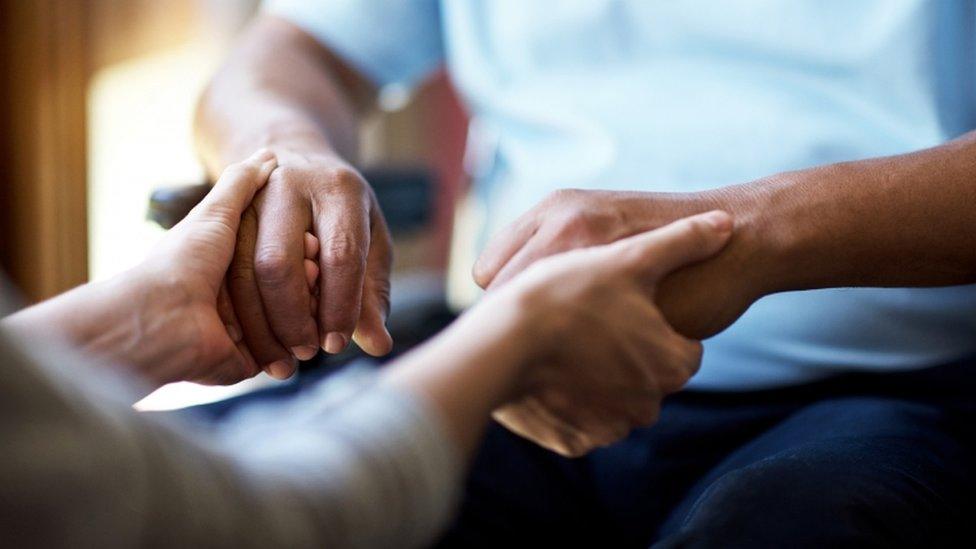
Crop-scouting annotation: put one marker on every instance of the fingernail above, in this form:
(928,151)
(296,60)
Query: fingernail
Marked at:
(280,369)
(719,220)
(304,352)
(335,342)
(233,332)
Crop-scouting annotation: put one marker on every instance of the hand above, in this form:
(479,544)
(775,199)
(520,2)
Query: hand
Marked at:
(267,283)
(602,354)
(698,301)
(188,319)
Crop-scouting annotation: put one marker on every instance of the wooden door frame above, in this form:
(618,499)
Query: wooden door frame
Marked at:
(44,186)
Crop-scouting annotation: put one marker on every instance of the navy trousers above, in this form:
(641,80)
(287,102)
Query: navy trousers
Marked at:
(862,460)
(865,461)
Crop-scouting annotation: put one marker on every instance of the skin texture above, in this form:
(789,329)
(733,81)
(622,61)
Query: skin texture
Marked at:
(162,319)
(311,124)
(897,221)
(524,352)
(530,352)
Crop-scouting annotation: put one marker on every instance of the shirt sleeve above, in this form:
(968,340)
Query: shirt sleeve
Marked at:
(349,464)
(389,41)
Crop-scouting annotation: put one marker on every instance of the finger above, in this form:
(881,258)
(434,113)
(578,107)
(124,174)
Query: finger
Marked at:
(225,309)
(311,273)
(371,333)
(502,248)
(246,298)
(279,258)
(237,367)
(569,441)
(689,354)
(528,419)
(235,189)
(342,227)
(227,362)
(596,423)
(536,249)
(658,252)
(311,246)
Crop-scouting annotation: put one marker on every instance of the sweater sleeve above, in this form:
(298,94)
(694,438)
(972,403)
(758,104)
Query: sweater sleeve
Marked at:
(350,463)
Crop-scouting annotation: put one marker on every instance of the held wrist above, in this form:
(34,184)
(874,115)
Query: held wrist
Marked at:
(284,137)
(764,233)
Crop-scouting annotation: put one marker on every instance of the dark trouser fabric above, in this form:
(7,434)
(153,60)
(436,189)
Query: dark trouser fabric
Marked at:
(867,461)
(875,460)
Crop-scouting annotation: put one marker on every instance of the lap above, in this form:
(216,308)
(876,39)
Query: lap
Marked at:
(518,493)
(870,471)
(858,459)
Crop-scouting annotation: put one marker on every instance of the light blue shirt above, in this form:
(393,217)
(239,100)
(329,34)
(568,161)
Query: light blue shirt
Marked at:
(686,95)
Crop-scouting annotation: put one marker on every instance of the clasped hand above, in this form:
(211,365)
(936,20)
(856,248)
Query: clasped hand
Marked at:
(601,355)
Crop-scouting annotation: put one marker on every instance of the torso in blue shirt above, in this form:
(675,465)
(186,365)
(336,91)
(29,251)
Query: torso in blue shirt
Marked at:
(685,95)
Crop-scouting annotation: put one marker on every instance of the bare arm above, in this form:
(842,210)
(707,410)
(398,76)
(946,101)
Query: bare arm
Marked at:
(905,220)
(283,90)
(373,467)
(280,87)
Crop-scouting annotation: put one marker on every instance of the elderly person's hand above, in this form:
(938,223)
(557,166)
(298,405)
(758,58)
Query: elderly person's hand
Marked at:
(699,302)
(322,194)
(191,265)
(602,355)
(169,319)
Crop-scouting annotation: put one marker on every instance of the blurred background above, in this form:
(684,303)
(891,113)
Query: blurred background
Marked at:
(97,106)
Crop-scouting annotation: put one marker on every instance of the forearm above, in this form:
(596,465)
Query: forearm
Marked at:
(350,465)
(117,321)
(906,220)
(469,370)
(255,100)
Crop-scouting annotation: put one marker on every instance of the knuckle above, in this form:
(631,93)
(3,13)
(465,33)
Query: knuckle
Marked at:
(562,196)
(286,174)
(341,250)
(272,267)
(574,224)
(346,177)
(343,181)
(240,272)
(586,226)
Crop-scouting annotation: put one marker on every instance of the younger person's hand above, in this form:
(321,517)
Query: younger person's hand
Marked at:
(604,356)
(185,277)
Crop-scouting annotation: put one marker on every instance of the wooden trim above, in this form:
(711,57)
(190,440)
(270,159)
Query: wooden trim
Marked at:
(43,205)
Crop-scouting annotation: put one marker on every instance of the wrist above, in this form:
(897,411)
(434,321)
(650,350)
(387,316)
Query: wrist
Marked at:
(764,234)
(284,133)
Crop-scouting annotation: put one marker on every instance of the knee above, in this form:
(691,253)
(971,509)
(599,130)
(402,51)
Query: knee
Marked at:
(803,500)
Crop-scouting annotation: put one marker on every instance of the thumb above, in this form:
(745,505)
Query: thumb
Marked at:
(656,253)
(235,189)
